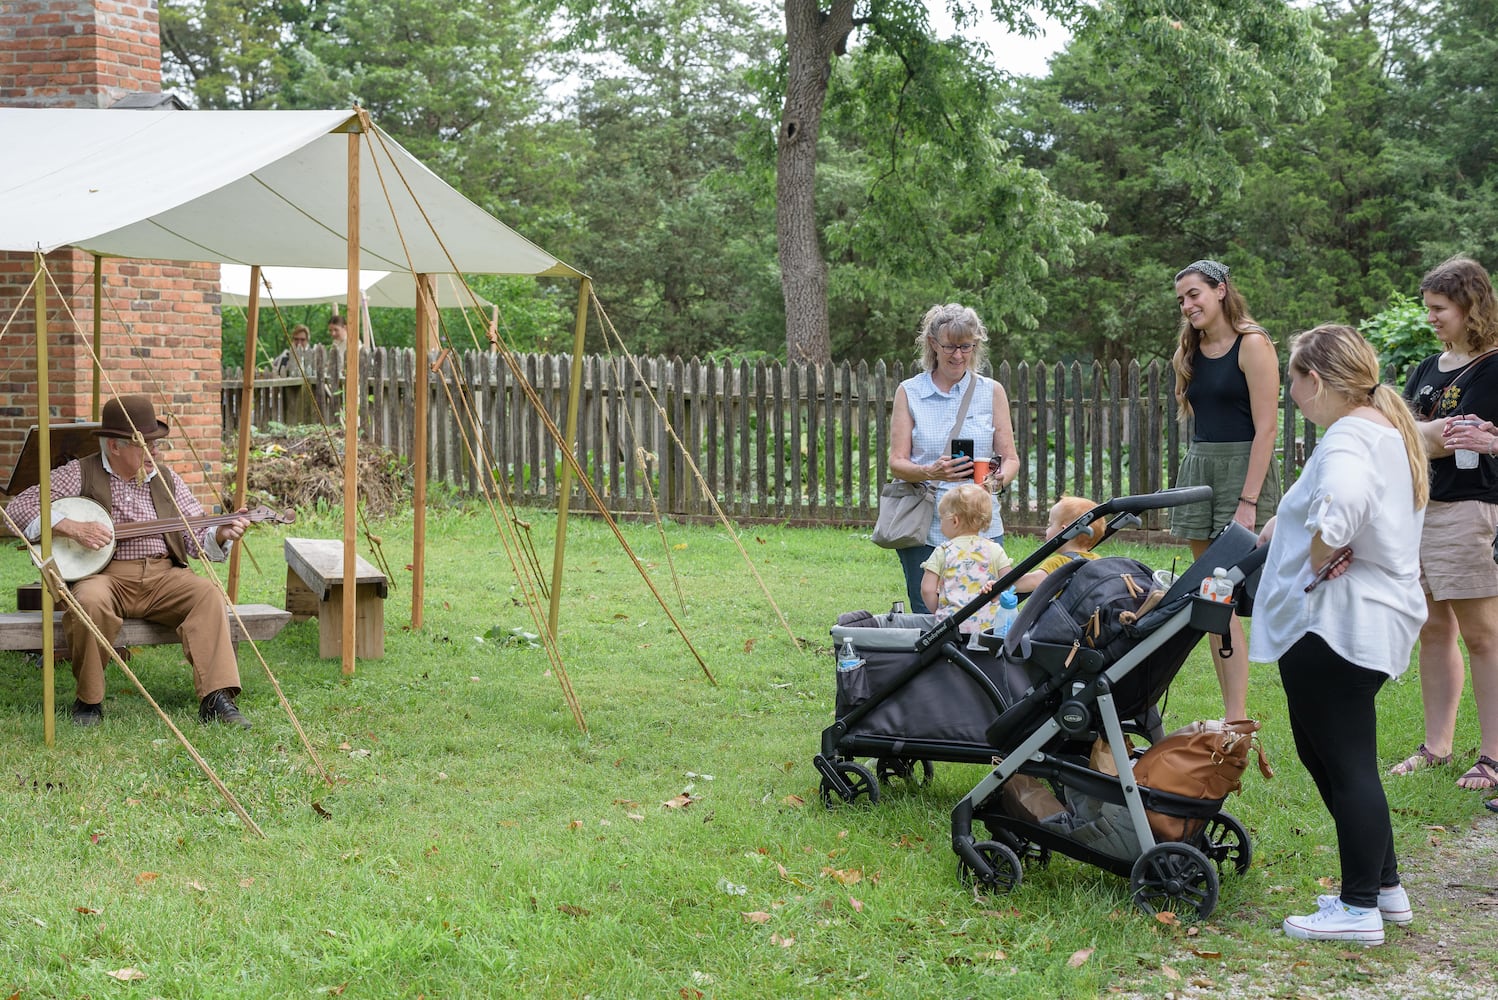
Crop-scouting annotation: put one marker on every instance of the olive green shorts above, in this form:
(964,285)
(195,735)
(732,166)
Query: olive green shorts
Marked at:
(1222,466)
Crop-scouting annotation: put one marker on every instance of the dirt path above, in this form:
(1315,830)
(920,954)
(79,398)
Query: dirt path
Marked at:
(1449,953)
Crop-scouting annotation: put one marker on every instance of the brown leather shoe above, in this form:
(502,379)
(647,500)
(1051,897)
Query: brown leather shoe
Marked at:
(219,707)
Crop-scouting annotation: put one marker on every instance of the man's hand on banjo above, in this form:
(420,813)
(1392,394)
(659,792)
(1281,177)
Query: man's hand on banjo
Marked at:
(234,530)
(89,534)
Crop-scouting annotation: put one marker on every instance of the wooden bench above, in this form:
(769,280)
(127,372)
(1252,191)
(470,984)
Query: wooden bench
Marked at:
(314,589)
(22,630)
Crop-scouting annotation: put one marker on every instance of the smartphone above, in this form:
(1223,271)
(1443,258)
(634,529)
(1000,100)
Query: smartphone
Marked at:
(962,448)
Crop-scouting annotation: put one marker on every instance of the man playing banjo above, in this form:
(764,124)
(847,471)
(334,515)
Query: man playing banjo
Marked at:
(148,575)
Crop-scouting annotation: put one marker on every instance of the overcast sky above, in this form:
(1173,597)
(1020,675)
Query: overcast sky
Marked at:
(1013,53)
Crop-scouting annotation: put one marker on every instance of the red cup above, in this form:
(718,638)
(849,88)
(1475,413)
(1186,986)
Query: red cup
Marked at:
(980,470)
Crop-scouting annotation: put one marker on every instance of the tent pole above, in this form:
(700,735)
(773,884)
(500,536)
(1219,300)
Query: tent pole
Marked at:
(246,413)
(44,478)
(564,481)
(426,341)
(353,389)
(98,335)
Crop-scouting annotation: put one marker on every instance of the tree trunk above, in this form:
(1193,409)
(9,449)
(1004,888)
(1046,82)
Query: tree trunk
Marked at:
(812,38)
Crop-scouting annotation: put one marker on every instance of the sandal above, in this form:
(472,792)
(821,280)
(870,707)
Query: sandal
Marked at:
(1492,805)
(1418,761)
(1483,774)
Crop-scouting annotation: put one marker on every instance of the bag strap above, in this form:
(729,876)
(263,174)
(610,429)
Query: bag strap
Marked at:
(1473,366)
(967,397)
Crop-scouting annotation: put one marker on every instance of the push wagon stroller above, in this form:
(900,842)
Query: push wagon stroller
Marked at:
(923,696)
(1047,747)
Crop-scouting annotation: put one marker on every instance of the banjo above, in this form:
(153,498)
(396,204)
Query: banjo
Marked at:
(76,561)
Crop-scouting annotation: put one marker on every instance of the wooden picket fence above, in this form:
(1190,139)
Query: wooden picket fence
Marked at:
(793,443)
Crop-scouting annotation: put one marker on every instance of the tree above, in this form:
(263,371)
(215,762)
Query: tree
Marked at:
(1228,61)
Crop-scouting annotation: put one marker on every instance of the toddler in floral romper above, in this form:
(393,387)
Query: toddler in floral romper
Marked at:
(960,568)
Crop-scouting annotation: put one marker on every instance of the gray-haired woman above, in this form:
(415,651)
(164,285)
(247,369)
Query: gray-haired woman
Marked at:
(953,346)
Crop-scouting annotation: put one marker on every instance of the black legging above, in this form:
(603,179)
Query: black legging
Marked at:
(1335,727)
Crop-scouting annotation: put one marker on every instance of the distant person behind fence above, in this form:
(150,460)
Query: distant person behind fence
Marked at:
(337,330)
(953,347)
(285,364)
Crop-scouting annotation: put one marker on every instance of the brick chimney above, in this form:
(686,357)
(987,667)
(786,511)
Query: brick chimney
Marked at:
(161,332)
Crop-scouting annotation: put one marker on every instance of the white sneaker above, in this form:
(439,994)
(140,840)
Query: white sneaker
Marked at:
(1337,923)
(1393,905)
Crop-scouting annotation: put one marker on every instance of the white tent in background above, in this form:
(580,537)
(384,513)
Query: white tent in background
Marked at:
(319,189)
(305,286)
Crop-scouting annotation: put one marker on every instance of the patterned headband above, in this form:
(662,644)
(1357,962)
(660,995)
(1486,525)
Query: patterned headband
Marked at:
(1212,269)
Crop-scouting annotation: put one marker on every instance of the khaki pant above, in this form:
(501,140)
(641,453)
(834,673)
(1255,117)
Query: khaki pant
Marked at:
(157,591)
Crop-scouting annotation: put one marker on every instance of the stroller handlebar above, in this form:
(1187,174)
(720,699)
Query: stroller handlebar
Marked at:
(1176,497)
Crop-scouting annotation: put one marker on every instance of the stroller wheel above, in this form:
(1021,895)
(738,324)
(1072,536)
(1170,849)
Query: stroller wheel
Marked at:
(1226,842)
(1176,878)
(917,772)
(1004,872)
(854,779)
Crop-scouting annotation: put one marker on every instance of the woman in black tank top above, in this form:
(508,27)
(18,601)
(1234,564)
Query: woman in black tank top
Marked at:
(1228,380)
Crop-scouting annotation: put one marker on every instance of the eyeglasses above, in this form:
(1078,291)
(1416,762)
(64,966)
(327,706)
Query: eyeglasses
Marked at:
(952,350)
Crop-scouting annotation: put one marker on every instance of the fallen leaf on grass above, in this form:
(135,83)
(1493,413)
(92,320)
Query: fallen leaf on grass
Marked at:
(1324,881)
(856,904)
(576,824)
(994,956)
(757,917)
(245,883)
(146,878)
(794,801)
(635,816)
(748,645)
(1168,919)
(199,886)
(337,991)
(317,807)
(687,994)
(1079,956)
(847,876)
(126,975)
(789,877)
(679,802)
(87,911)
(1169,973)
(627,803)
(1203,983)
(784,942)
(573,911)
(1206,954)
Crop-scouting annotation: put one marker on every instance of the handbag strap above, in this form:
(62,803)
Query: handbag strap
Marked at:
(1472,367)
(967,397)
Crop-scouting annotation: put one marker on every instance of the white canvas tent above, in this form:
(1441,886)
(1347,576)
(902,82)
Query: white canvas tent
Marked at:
(323,189)
(306,286)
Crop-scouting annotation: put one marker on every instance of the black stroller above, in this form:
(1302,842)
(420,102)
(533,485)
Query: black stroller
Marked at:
(923,696)
(1035,706)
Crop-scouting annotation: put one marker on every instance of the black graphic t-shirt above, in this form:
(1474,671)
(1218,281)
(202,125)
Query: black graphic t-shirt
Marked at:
(1436,395)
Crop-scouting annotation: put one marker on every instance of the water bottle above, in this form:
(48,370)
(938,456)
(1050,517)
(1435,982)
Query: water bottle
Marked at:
(1008,611)
(1218,587)
(848,659)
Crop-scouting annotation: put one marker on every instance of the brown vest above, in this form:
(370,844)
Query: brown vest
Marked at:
(96,487)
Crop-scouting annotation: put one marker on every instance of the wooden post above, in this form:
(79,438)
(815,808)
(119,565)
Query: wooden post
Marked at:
(246,411)
(96,409)
(564,481)
(426,342)
(44,477)
(352,390)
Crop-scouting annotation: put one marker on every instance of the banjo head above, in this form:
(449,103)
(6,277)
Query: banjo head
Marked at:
(75,561)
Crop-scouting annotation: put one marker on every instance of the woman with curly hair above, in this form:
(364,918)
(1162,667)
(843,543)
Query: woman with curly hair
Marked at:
(1457,570)
(1228,380)
(953,349)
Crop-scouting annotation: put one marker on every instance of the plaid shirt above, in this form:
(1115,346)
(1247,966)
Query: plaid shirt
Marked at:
(129,502)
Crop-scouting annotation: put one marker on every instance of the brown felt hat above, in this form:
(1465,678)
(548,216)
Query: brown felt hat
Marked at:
(124,415)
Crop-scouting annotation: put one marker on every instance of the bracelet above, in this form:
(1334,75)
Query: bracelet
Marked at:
(1251,501)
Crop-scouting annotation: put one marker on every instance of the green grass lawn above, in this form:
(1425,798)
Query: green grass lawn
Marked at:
(475,843)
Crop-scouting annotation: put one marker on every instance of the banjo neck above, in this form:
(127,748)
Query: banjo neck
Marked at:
(161,526)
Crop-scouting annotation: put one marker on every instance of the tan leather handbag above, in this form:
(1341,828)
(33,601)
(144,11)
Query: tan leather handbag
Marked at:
(1205,760)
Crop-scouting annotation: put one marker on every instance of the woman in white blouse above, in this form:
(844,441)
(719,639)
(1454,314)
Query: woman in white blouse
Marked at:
(1338,639)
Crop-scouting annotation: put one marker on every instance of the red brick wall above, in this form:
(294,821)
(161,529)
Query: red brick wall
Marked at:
(161,330)
(77,53)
